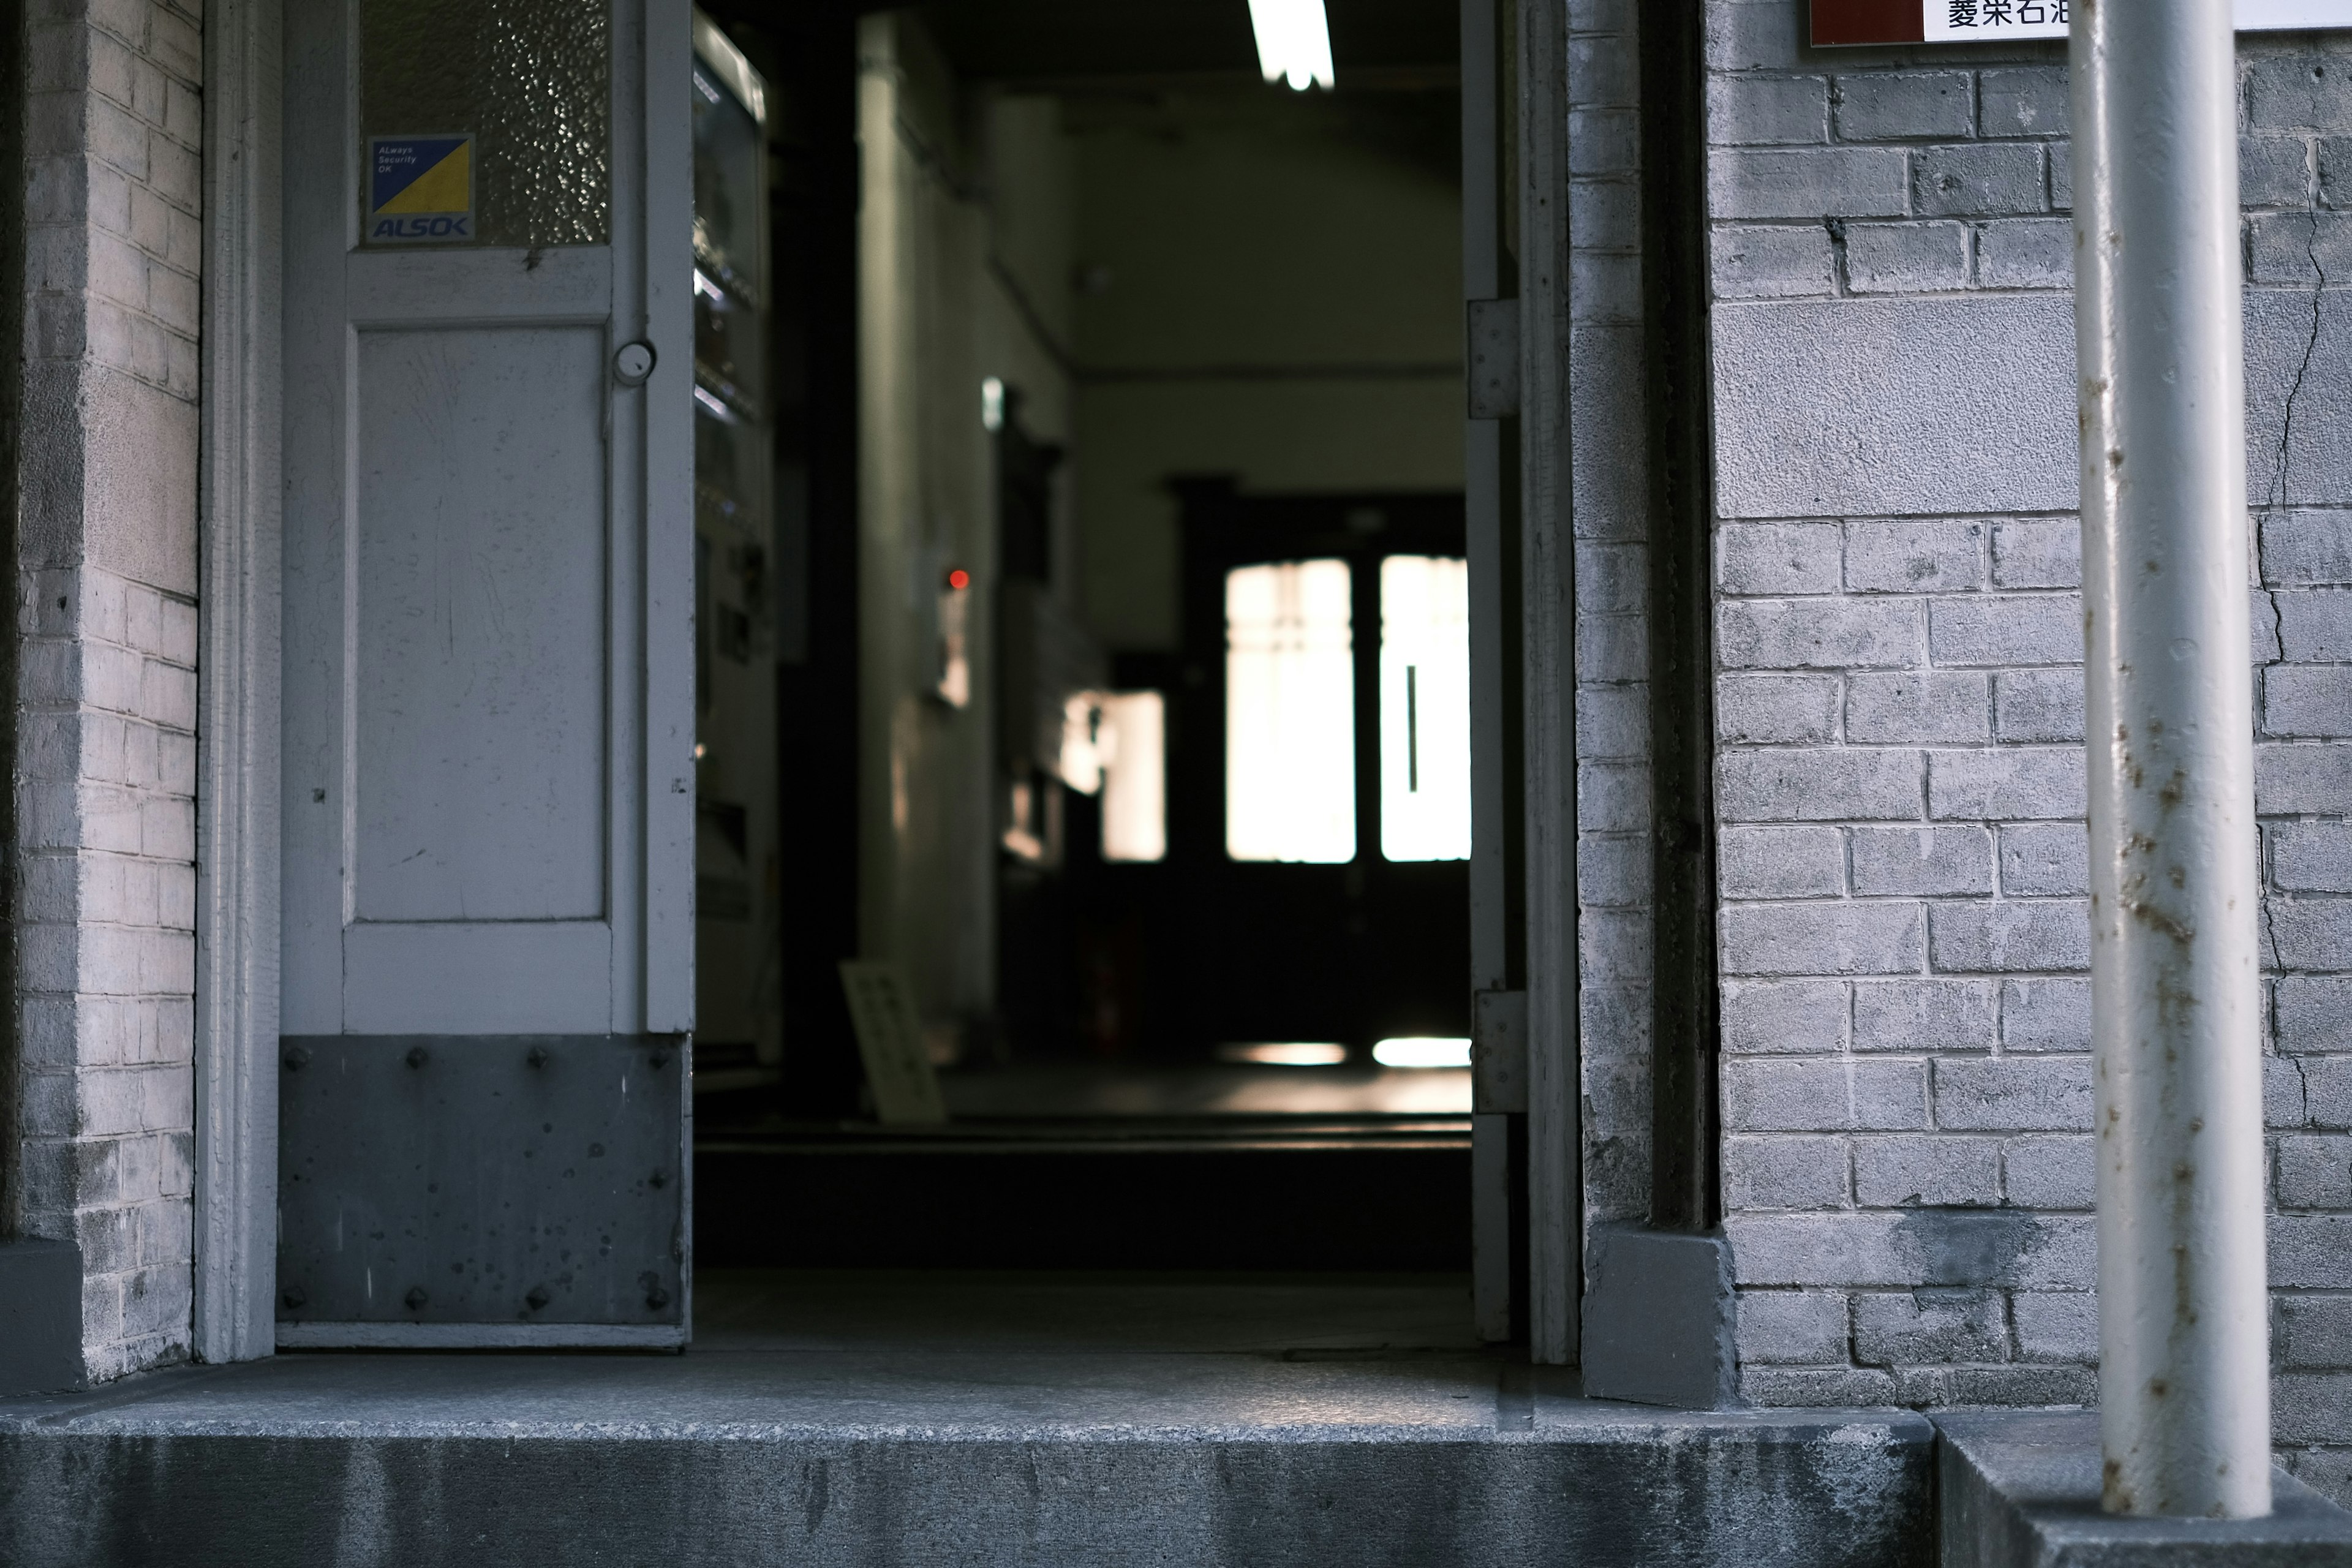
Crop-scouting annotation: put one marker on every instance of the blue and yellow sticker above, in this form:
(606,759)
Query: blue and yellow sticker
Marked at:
(420,188)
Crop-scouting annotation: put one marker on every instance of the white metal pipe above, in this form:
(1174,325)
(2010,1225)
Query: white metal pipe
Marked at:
(2184,1389)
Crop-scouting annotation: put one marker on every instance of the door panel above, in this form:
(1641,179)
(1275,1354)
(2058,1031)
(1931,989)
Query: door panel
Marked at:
(479,707)
(489,708)
(479,977)
(388,288)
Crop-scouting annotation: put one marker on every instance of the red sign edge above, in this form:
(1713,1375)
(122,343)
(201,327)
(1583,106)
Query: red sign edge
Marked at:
(1841,22)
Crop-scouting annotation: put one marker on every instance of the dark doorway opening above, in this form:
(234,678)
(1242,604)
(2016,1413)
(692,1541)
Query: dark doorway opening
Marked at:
(1222,1021)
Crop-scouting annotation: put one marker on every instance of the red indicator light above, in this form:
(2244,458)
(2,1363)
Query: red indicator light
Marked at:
(959,579)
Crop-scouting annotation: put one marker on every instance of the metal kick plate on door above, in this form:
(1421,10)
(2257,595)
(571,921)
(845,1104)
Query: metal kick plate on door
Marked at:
(480,1179)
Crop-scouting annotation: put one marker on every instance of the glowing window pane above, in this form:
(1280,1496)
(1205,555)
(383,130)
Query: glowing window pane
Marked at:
(1424,708)
(1130,744)
(1290,713)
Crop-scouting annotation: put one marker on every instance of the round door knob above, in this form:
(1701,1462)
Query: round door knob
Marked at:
(632,363)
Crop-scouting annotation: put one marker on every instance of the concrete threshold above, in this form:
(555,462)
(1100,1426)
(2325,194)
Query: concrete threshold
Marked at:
(923,1420)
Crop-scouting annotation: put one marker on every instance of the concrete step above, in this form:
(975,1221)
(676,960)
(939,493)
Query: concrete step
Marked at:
(493,1465)
(922,1420)
(1366,1194)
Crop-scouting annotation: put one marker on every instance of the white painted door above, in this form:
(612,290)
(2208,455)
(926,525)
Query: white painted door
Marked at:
(489,771)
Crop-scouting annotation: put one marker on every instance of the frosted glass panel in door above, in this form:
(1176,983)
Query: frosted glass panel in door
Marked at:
(481,598)
(1424,708)
(530,79)
(1290,713)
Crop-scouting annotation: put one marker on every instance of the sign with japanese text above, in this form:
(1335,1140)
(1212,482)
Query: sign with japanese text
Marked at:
(1972,21)
(1838,22)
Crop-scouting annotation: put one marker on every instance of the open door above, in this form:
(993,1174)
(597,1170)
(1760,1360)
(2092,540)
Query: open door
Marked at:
(488,749)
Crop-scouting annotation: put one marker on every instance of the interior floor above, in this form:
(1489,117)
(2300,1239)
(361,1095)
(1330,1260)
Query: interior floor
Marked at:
(1080,1090)
(1023,1096)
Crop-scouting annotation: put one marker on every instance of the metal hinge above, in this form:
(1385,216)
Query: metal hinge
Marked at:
(1499,1051)
(1493,358)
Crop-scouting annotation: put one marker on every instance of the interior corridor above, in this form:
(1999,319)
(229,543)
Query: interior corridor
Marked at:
(1112,564)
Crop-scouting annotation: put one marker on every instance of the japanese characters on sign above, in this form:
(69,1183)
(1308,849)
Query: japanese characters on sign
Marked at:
(1838,22)
(1982,21)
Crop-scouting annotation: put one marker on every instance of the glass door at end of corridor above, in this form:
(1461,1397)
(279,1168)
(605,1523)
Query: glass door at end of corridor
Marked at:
(1315,886)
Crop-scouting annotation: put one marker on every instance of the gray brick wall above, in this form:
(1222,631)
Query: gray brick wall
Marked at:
(1905,1082)
(1609,480)
(106,578)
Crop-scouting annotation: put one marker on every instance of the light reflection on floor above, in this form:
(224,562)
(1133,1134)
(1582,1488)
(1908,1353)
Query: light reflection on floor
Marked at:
(1081,1090)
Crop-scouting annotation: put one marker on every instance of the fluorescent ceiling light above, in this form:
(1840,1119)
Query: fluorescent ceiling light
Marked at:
(1422,1053)
(1294,42)
(1285,1054)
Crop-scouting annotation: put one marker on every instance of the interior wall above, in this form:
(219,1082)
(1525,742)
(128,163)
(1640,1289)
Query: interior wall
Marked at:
(1269,287)
(1026,319)
(1226,280)
(963,275)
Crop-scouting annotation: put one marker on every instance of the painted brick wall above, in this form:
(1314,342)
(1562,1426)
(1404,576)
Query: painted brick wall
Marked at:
(2296,107)
(1905,1085)
(106,579)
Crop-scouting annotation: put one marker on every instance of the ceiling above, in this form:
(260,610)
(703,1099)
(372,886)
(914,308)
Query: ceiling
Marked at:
(1061,40)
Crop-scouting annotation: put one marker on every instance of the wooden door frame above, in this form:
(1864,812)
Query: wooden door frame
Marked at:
(1527,1131)
(1547,622)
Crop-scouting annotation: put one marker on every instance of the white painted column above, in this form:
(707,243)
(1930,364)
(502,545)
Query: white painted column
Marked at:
(2184,1363)
(241,480)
